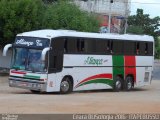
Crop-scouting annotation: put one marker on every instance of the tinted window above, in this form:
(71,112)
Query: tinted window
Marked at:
(150,48)
(137,50)
(101,46)
(117,47)
(129,48)
(71,45)
(90,46)
(146,48)
(75,45)
(80,45)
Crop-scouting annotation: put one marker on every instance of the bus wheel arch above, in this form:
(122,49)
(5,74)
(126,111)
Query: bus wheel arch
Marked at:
(129,82)
(66,85)
(118,83)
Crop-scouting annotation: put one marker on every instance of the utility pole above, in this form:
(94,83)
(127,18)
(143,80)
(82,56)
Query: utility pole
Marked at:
(109,17)
(89,4)
(126,17)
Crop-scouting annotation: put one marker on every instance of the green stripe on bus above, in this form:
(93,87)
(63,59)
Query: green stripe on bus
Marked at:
(103,81)
(31,76)
(118,65)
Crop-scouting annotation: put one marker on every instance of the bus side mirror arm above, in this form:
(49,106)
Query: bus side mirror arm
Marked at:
(44,51)
(6,49)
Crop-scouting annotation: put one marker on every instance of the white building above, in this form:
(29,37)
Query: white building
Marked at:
(119,9)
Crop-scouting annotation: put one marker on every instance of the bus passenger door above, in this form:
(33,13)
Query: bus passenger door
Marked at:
(55,63)
(56,55)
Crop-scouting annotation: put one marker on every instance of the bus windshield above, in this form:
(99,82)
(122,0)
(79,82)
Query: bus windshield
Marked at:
(28,59)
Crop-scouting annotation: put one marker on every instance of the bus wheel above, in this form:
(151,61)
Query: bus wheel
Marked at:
(128,83)
(66,86)
(117,84)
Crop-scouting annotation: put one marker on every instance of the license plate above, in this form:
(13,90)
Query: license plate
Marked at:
(23,84)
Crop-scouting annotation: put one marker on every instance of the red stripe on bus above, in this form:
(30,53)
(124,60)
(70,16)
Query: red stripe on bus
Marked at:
(96,76)
(17,72)
(130,66)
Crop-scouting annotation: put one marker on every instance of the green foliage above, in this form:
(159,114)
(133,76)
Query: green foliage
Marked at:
(135,30)
(149,26)
(157,49)
(18,16)
(143,24)
(65,15)
(52,1)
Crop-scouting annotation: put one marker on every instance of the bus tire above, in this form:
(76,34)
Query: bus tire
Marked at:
(66,86)
(117,84)
(128,83)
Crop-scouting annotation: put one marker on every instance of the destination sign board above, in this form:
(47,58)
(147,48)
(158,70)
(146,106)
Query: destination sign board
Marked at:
(31,42)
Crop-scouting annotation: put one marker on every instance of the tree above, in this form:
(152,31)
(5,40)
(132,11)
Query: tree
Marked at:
(52,1)
(135,30)
(17,16)
(143,24)
(66,15)
(149,26)
(158,49)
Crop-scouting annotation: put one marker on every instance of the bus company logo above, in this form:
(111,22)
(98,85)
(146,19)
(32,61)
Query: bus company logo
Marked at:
(93,61)
(38,43)
(23,42)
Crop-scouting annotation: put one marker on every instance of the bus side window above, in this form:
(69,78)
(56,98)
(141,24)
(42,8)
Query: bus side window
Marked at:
(117,47)
(108,46)
(101,46)
(71,45)
(150,48)
(80,45)
(137,48)
(129,48)
(65,45)
(90,46)
(111,47)
(146,48)
(142,48)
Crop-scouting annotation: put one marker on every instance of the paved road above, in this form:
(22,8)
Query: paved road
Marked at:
(156,72)
(140,100)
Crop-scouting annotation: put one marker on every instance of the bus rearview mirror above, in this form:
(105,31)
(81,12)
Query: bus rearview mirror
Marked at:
(44,51)
(6,49)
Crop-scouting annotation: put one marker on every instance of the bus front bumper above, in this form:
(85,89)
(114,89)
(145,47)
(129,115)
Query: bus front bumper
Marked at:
(27,84)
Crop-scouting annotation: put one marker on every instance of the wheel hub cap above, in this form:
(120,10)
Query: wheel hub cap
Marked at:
(64,86)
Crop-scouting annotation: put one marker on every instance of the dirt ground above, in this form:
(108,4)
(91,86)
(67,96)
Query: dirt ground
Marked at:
(142,100)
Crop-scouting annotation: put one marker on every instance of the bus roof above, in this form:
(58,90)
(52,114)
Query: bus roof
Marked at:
(47,33)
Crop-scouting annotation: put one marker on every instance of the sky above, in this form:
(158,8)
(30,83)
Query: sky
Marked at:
(148,7)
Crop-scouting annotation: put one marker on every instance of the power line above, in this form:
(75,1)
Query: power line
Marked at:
(145,3)
(153,3)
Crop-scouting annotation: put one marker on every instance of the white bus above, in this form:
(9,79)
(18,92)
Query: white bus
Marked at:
(65,61)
